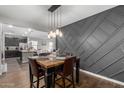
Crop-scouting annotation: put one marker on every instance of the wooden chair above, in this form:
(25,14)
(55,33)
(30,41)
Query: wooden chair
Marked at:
(66,72)
(35,70)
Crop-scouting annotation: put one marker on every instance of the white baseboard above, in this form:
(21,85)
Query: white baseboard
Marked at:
(0,69)
(3,68)
(102,77)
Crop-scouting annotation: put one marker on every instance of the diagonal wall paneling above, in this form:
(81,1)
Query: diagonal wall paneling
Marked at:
(99,42)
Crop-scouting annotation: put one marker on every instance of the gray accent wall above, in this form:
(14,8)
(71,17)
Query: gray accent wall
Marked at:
(99,42)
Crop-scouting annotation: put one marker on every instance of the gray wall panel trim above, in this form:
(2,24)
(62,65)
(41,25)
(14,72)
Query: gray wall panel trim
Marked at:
(68,46)
(101,70)
(91,28)
(100,46)
(104,31)
(113,68)
(79,30)
(83,35)
(92,32)
(62,45)
(115,25)
(110,49)
(101,19)
(109,65)
(117,73)
(90,49)
(117,16)
(97,40)
(113,34)
(97,44)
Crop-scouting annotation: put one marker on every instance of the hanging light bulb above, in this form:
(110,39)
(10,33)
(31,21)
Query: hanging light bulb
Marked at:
(51,32)
(54,34)
(49,35)
(57,31)
(60,34)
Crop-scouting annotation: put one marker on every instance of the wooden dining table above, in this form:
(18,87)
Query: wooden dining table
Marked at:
(49,66)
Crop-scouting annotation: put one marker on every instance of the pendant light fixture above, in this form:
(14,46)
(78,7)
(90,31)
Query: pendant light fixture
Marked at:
(55,22)
(60,30)
(57,29)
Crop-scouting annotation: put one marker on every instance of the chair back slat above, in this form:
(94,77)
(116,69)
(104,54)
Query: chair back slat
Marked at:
(68,65)
(34,67)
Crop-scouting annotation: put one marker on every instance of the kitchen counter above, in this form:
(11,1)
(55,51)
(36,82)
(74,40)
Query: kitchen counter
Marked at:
(25,54)
(12,53)
(29,51)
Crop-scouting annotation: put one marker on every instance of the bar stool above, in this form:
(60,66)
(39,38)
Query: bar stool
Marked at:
(35,70)
(67,71)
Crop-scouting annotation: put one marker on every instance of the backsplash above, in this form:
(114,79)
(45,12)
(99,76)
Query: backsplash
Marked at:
(12,48)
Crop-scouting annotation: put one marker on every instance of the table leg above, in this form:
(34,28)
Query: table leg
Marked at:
(77,71)
(53,78)
(48,78)
(31,77)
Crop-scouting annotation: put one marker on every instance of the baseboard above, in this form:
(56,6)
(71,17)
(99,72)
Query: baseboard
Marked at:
(102,77)
(0,69)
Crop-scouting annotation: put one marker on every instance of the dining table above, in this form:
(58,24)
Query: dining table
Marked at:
(50,65)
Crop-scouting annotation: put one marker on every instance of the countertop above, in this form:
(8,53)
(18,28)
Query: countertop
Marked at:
(27,51)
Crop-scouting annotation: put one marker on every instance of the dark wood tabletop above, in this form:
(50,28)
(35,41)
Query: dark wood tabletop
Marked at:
(46,63)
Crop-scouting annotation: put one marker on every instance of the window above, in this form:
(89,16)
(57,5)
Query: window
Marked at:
(50,46)
(34,44)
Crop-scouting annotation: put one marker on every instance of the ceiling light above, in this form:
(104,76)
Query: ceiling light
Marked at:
(57,31)
(23,34)
(9,33)
(10,26)
(26,33)
(29,29)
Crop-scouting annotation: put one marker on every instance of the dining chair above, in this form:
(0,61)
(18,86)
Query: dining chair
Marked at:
(66,72)
(44,54)
(35,70)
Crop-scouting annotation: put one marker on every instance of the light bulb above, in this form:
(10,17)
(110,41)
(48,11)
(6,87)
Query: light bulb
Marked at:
(51,33)
(57,31)
(10,26)
(26,32)
(54,34)
(29,29)
(60,34)
(49,36)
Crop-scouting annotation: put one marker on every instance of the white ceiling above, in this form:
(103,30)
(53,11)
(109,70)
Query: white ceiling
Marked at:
(20,31)
(36,16)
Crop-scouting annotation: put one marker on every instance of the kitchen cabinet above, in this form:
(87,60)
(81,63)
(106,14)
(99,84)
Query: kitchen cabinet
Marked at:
(13,41)
(12,53)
